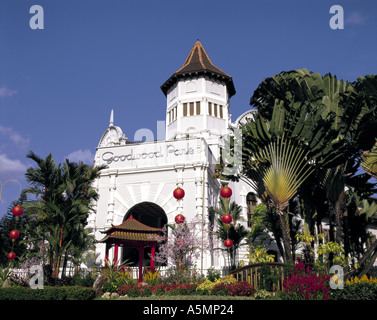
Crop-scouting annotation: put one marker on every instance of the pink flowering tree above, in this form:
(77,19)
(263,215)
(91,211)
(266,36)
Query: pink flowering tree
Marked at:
(182,245)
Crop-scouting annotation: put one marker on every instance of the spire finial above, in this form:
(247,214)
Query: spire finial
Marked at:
(111,118)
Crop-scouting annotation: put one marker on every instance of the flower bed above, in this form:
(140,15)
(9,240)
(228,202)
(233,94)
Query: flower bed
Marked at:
(220,288)
(303,284)
(357,289)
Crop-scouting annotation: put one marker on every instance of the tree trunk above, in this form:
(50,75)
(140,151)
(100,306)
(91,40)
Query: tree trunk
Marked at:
(369,264)
(339,214)
(346,234)
(286,236)
(370,251)
(65,263)
(275,228)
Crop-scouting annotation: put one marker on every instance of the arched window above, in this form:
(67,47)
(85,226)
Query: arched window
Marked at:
(251,201)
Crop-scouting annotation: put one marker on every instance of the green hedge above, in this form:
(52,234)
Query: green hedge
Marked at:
(355,291)
(47,293)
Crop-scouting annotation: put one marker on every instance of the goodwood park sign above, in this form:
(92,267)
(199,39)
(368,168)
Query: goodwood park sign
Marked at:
(169,151)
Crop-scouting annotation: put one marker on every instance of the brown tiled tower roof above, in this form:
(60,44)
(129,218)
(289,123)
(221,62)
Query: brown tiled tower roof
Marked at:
(131,230)
(198,63)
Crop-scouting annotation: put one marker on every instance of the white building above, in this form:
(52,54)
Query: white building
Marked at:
(141,177)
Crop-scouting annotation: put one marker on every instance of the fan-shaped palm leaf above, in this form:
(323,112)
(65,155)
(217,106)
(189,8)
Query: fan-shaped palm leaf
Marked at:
(288,168)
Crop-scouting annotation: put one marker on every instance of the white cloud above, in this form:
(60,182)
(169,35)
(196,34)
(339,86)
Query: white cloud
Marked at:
(6,92)
(356,18)
(85,156)
(14,136)
(11,168)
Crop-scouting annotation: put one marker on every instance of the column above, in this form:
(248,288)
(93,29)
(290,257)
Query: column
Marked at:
(116,253)
(107,253)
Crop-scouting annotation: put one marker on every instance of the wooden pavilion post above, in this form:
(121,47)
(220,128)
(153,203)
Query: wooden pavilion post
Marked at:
(141,253)
(116,253)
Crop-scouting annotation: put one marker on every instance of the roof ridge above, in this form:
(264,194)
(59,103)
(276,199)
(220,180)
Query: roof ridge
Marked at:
(198,46)
(201,55)
(198,62)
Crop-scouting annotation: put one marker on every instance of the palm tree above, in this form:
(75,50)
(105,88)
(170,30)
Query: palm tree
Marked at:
(350,118)
(63,204)
(234,231)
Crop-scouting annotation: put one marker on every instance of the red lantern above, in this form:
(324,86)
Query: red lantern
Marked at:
(14,234)
(179,193)
(11,255)
(228,243)
(179,218)
(226,218)
(226,192)
(17,211)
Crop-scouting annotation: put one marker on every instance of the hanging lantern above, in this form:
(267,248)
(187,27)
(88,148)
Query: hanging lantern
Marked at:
(14,235)
(226,218)
(228,243)
(178,193)
(17,211)
(179,218)
(11,256)
(226,192)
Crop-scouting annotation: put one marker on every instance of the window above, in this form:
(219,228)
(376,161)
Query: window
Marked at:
(197,107)
(191,108)
(216,110)
(172,115)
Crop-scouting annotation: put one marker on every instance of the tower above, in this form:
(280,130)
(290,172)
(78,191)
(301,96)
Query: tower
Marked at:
(197,97)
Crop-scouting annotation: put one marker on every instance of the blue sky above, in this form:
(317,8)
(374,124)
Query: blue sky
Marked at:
(58,85)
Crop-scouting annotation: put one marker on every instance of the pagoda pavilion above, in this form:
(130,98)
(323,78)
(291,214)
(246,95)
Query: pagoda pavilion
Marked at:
(134,234)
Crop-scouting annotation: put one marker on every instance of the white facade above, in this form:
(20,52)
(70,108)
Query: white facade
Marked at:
(141,177)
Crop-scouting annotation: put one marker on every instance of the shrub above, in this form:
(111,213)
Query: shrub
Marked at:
(356,289)
(123,290)
(304,284)
(192,289)
(134,292)
(220,290)
(206,286)
(262,294)
(109,287)
(173,292)
(86,281)
(146,292)
(184,276)
(241,288)
(47,293)
(213,274)
(158,292)
(152,278)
